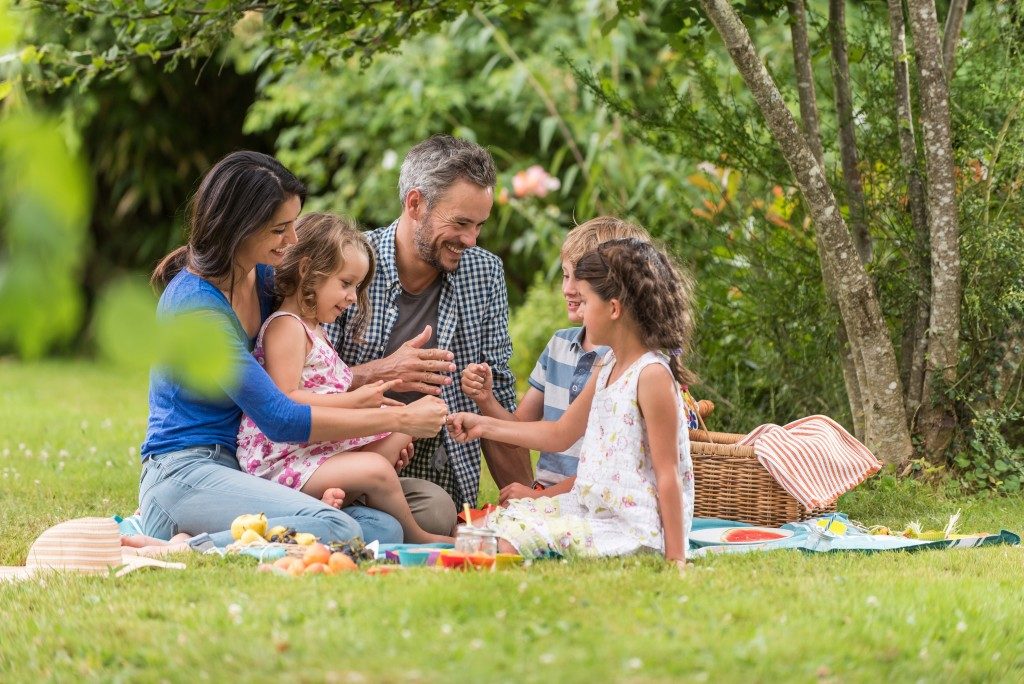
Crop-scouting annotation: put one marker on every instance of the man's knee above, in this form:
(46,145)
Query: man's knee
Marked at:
(431,506)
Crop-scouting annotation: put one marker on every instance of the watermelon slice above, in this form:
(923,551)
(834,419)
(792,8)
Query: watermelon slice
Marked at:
(742,535)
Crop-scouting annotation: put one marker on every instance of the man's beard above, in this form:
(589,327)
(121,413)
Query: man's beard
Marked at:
(427,250)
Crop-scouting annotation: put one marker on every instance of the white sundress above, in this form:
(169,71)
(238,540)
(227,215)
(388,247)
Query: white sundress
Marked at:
(612,509)
(291,463)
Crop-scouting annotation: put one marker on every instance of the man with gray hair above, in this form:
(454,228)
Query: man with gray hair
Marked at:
(439,303)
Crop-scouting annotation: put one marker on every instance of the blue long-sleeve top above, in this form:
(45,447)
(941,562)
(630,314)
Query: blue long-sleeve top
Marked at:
(180,419)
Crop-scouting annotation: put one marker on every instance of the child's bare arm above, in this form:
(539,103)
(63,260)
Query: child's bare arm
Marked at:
(541,435)
(656,396)
(285,347)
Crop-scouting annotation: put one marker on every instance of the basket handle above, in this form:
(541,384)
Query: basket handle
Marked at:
(701,408)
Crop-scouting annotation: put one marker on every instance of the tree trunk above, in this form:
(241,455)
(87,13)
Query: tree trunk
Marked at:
(847,137)
(1012,353)
(812,132)
(915,334)
(938,420)
(805,78)
(951,35)
(886,429)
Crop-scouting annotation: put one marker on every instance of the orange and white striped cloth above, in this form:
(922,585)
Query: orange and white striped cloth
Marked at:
(814,459)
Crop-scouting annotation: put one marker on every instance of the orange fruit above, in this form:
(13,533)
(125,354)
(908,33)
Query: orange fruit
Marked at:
(315,569)
(284,562)
(340,562)
(316,553)
(295,567)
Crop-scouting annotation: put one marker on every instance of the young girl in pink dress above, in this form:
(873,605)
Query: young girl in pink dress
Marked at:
(327,271)
(634,487)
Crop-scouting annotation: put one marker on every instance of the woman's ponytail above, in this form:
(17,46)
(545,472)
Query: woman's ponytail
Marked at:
(169,266)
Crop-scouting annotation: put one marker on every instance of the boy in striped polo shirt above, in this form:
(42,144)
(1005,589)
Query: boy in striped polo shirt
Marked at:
(563,369)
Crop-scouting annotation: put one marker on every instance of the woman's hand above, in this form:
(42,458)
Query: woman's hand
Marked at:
(465,427)
(477,381)
(680,564)
(424,417)
(371,395)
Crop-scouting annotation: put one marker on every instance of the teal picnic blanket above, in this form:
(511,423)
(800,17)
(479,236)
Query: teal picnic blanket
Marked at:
(807,536)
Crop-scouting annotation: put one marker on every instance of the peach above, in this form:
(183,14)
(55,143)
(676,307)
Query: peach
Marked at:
(316,553)
(340,562)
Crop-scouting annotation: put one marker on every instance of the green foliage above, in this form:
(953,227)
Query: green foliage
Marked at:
(120,33)
(44,204)
(196,347)
(987,460)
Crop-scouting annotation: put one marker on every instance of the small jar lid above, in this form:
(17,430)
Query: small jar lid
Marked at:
(472,531)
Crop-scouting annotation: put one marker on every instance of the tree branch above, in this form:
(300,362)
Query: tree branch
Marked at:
(951,34)
(847,135)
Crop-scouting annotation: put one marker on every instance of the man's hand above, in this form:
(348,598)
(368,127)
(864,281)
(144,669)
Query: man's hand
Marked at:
(477,381)
(371,395)
(419,370)
(517,490)
(465,427)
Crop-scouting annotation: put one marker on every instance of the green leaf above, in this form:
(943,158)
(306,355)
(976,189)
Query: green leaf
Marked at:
(610,25)
(547,131)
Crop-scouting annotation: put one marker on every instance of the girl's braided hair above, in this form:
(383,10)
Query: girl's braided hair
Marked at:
(656,294)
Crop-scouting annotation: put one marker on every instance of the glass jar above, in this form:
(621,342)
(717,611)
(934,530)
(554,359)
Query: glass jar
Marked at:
(469,539)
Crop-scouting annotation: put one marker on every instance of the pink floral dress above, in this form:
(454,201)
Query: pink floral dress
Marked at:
(612,509)
(291,463)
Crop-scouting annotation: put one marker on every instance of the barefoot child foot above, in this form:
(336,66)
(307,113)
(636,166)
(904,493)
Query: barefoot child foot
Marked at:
(333,497)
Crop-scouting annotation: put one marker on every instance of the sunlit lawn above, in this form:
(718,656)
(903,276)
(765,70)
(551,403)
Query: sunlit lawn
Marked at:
(69,436)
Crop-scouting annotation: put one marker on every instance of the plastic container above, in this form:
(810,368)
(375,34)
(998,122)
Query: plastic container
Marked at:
(415,557)
(476,540)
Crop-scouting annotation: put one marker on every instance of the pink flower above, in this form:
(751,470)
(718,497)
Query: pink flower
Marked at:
(290,478)
(534,181)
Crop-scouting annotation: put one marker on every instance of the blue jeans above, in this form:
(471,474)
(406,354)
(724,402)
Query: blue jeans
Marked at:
(202,489)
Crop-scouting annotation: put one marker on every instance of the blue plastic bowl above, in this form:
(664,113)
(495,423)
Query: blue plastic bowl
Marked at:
(413,557)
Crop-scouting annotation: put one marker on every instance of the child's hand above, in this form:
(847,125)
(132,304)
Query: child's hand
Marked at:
(371,395)
(517,490)
(477,381)
(404,456)
(465,427)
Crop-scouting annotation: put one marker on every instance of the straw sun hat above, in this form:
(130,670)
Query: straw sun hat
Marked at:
(89,545)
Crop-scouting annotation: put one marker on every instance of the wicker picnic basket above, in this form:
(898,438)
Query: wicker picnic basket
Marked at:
(731,484)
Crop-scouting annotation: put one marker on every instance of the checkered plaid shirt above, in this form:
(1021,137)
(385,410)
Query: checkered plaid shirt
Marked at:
(472,323)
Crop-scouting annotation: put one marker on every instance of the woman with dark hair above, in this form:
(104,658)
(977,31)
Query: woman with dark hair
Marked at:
(240,222)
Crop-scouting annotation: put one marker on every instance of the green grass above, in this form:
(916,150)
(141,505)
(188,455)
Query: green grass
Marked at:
(935,616)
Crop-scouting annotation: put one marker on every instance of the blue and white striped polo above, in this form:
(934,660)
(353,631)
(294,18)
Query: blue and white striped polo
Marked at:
(561,374)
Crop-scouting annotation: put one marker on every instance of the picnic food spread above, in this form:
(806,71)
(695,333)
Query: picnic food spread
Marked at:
(476,549)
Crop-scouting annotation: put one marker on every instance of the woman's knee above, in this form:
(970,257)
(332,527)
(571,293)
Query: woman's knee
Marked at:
(337,525)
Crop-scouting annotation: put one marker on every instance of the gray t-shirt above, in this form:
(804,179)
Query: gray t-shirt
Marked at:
(414,312)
